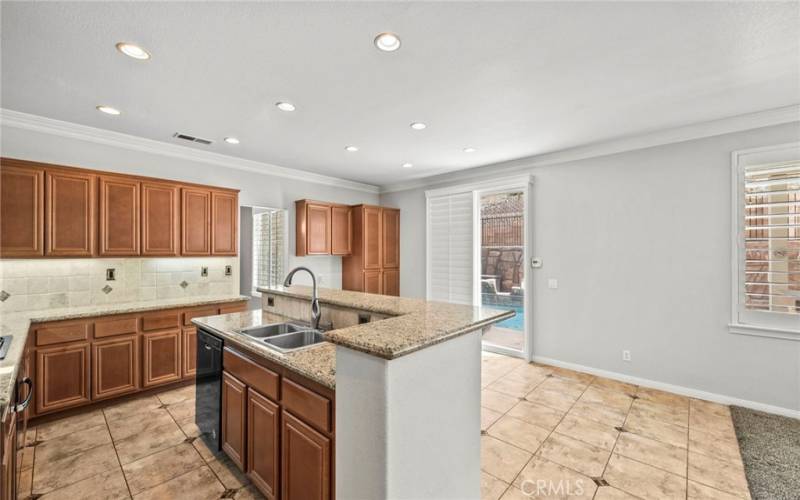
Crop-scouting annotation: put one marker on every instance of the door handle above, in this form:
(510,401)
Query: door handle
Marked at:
(20,407)
(208,347)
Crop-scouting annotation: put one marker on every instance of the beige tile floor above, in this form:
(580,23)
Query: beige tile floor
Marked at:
(547,432)
(144,448)
(554,433)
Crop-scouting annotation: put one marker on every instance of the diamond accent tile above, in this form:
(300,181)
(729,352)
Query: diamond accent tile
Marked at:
(106,289)
(184,284)
(4,295)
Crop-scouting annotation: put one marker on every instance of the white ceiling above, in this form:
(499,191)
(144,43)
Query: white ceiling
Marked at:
(510,79)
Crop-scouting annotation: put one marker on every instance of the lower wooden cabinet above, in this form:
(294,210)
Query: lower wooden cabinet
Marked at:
(391,282)
(234,414)
(305,461)
(115,367)
(62,377)
(372,282)
(8,457)
(263,443)
(189,352)
(162,357)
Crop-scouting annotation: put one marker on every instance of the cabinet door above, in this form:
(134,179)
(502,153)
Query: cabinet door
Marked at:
(341,230)
(318,230)
(119,216)
(160,220)
(372,237)
(162,357)
(234,413)
(305,461)
(195,221)
(21,211)
(8,457)
(263,443)
(115,367)
(372,282)
(390,244)
(224,211)
(70,209)
(391,282)
(62,377)
(189,352)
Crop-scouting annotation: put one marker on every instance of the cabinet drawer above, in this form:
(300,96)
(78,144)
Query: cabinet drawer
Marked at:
(56,334)
(160,320)
(306,404)
(115,326)
(233,308)
(256,376)
(198,313)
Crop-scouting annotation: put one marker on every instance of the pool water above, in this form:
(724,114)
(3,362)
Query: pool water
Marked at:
(515,323)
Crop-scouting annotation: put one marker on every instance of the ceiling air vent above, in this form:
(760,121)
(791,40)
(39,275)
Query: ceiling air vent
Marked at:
(191,138)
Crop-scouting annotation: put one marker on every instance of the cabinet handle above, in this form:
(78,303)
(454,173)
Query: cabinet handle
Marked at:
(24,405)
(208,347)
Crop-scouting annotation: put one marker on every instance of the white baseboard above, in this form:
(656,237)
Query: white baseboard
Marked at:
(677,389)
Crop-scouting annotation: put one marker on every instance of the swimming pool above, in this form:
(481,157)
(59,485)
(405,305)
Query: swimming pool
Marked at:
(515,323)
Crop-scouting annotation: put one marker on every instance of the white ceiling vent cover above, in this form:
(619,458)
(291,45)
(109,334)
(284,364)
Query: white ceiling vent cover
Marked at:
(191,138)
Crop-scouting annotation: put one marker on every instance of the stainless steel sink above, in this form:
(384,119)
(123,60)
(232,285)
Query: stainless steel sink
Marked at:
(294,341)
(272,330)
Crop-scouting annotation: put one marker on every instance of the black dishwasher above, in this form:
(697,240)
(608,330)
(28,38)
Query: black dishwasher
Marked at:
(208,388)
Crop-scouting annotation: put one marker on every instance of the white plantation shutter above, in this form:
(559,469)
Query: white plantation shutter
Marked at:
(268,248)
(450,247)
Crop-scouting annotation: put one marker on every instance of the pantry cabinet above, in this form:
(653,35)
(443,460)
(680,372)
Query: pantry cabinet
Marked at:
(374,263)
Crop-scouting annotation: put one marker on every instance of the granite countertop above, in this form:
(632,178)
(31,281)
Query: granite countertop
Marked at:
(316,362)
(414,325)
(17,325)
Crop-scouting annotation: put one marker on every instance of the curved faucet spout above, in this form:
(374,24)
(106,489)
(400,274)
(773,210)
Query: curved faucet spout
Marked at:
(315,310)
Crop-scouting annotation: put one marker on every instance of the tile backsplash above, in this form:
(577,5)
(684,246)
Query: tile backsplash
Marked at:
(54,283)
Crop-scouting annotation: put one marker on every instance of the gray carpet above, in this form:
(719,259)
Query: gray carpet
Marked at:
(770,447)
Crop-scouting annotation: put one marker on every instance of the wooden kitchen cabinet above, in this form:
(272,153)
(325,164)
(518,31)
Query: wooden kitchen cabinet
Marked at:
(313,228)
(390,234)
(8,456)
(305,461)
(263,443)
(21,210)
(62,377)
(70,213)
(195,221)
(391,282)
(372,282)
(371,239)
(189,352)
(224,211)
(119,216)
(115,367)
(160,219)
(341,229)
(234,414)
(162,357)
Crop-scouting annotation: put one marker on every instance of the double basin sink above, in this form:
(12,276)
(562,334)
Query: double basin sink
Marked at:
(284,337)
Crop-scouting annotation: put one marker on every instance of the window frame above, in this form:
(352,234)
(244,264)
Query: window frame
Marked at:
(743,321)
(285,246)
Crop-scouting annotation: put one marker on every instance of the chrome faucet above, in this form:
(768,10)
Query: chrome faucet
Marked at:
(315,312)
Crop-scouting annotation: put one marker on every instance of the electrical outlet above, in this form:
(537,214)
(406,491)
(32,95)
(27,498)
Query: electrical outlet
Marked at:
(111,274)
(626,355)
(552,283)
(204,271)
(228,270)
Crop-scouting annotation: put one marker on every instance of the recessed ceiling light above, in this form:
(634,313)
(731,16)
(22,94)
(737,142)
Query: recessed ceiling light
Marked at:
(232,140)
(132,50)
(285,106)
(469,150)
(387,42)
(418,125)
(352,149)
(408,165)
(109,110)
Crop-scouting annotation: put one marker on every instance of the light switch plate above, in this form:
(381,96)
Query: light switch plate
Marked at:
(204,271)
(228,270)
(552,283)
(536,262)
(111,274)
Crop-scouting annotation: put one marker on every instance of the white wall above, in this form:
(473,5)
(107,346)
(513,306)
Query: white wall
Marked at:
(640,245)
(256,189)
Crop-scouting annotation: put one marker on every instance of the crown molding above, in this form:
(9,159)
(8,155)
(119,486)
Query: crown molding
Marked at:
(16,119)
(759,119)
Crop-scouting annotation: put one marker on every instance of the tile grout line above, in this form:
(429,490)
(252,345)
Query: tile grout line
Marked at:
(116,453)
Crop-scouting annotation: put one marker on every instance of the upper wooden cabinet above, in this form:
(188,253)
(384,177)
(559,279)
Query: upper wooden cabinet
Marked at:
(341,230)
(390,232)
(313,228)
(55,211)
(119,216)
(21,210)
(160,219)
(224,211)
(373,266)
(70,213)
(195,221)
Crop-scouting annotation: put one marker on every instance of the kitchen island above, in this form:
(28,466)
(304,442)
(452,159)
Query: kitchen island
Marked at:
(386,406)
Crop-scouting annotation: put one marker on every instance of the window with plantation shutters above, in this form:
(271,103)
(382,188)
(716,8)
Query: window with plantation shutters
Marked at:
(451,247)
(269,226)
(768,256)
